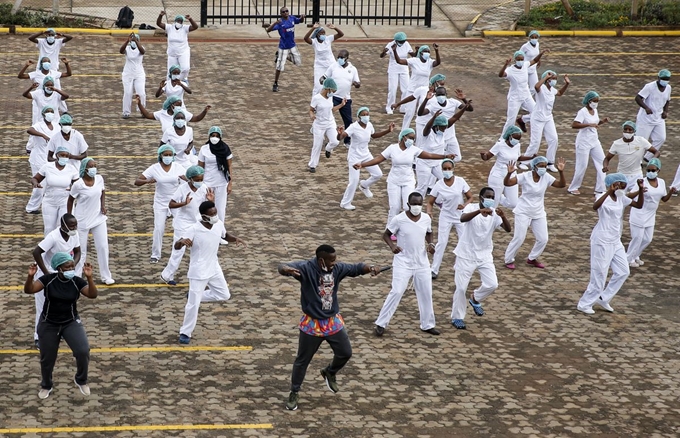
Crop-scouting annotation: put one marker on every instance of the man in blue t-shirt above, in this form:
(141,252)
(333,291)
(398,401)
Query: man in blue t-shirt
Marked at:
(287,48)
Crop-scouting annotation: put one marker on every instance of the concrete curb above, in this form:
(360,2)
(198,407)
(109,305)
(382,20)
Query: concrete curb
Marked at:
(584,33)
(77,30)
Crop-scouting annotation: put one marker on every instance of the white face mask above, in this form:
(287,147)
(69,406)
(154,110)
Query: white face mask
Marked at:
(178,25)
(365,119)
(66,129)
(168,160)
(212,220)
(174,77)
(541,171)
(533,42)
(488,202)
(46,65)
(49,117)
(514,141)
(441,99)
(519,63)
(62,161)
(425,55)
(448,174)
(620,193)
(133,45)
(593,105)
(91,172)
(180,123)
(409,142)
(67,230)
(50,40)
(628,135)
(415,209)
(553,82)
(214,140)
(198,185)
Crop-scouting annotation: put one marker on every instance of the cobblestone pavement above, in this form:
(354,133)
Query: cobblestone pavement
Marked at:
(532,366)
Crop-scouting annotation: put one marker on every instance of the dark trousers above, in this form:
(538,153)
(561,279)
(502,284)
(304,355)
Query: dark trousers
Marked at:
(307,348)
(50,335)
(345,113)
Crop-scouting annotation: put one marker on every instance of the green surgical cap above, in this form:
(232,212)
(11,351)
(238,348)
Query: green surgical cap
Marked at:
(614,178)
(512,130)
(83,165)
(45,108)
(214,129)
(629,123)
(517,53)
(664,73)
(437,78)
(406,132)
(316,31)
(194,171)
(363,108)
(178,112)
(655,162)
(400,36)
(170,101)
(441,121)
(164,148)
(61,149)
(448,160)
(174,67)
(422,48)
(534,32)
(50,30)
(545,73)
(48,79)
(538,160)
(589,96)
(65,120)
(59,259)
(330,84)
(179,18)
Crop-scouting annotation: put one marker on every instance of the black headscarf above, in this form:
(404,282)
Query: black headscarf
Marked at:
(221,151)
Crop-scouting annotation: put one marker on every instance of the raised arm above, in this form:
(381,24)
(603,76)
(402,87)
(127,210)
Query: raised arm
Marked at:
(34,38)
(338,33)
(372,162)
(421,109)
(308,35)
(66,38)
(389,129)
(89,291)
(437,61)
(397,59)
(159,21)
(562,90)
(22,72)
(428,126)
(461,110)
(562,182)
(32,286)
(194,25)
(27,93)
(510,180)
(639,200)
(144,111)
(201,116)
(537,59)
(68,72)
(159,91)
(502,73)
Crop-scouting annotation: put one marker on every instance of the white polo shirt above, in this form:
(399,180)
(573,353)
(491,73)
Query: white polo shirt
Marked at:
(630,154)
(343,77)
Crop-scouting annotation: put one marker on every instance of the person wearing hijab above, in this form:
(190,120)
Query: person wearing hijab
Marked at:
(606,249)
(39,135)
(178,41)
(323,53)
(59,318)
(134,77)
(215,157)
(88,203)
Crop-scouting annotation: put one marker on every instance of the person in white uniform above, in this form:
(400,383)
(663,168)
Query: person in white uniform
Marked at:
(417,98)
(178,41)
(474,253)
(642,220)
(421,67)
(39,135)
(630,150)
(516,71)
(166,115)
(45,94)
(62,239)
(323,122)
(68,138)
(530,209)
(184,203)
(323,52)
(541,119)
(531,50)
(654,99)
(506,150)
(588,145)
(50,45)
(167,175)
(56,178)
(448,107)
(172,86)
(44,69)
(452,193)
(204,267)
(413,230)
(361,132)
(346,76)
(134,77)
(397,74)
(181,137)
(400,181)
(606,249)
(87,202)
(215,157)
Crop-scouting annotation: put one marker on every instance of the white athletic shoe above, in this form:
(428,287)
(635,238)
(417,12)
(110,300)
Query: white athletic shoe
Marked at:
(108,281)
(366,191)
(348,207)
(44,393)
(84,388)
(552,168)
(605,306)
(639,262)
(586,310)
(634,264)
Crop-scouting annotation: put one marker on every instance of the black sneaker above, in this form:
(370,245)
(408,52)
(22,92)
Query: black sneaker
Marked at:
(275,88)
(330,380)
(328,154)
(292,402)
(379,331)
(37,344)
(432,331)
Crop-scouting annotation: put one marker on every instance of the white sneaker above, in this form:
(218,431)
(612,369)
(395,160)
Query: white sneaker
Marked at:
(366,191)
(586,310)
(389,111)
(639,262)
(605,306)
(633,265)
(523,166)
(552,168)
(348,207)
(108,281)
(84,388)
(44,393)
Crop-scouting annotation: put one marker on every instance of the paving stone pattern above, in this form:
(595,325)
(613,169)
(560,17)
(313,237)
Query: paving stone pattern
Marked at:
(532,366)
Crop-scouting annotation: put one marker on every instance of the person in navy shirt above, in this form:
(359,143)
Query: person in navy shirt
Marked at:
(287,48)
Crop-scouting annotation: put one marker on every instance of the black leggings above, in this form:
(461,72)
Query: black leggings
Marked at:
(50,335)
(307,348)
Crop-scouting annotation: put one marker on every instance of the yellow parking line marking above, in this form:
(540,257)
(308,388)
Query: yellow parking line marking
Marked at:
(116,286)
(96,157)
(108,193)
(150,427)
(24,236)
(140,349)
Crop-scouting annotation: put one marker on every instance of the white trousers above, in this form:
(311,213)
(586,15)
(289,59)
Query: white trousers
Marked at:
(175,256)
(101,244)
(331,132)
(354,174)
(395,80)
(676,179)
(397,196)
(218,291)
(133,85)
(409,111)
(596,154)
(424,174)
(540,229)
(419,133)
(220,202)
(656,134)
(464,268)
(37,194)
(52,216)
(318,73)
(533,80)
(160,215)
(640,238)
(539,129)
(505,196)
(443,232)
(453,147)
(514,106)
(422,282)
(602,257)
(184,62)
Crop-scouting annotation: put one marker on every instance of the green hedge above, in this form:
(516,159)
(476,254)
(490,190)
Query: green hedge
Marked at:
(35,18)
(598,15)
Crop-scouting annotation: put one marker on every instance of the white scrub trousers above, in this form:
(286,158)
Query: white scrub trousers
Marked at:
(409,111)
(220,202)
(354,174)
(395,80)
(51,216)
(533,80)
(540,229)
(422,282)
(36,195)
(219,291)
(453,147)
(464,268)
(133,85)
(175,256)
(505,196)
(397,196)
(514,106)
(184,61)
(101,244)
(424,174)
(640,238)
(602,257)
(656,134)
(596,154)
(160,215)
(318,73)
(443,232)
(538,130)
(331,132)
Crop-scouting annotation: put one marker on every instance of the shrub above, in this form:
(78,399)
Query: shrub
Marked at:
(35,18)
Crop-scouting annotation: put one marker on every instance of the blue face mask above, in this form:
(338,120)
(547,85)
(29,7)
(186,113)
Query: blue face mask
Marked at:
(425,55)
(514,141)
(48,91)
(541,171)
(652,175)
(62,161)
(488,203)
(341,61)
(533,42)
(133,45)
(196,184)
(448,174)
(69,274)
(663,83)
(322,38)
(50,40)
(180,123)
(552,82)
(46,65)
(168,160)
(409,142)
(519,64)
(91,172)
(439,133)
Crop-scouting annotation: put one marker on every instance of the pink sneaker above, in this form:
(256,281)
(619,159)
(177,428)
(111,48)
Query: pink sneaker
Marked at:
(393,237)
(535,263)
(510,265)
